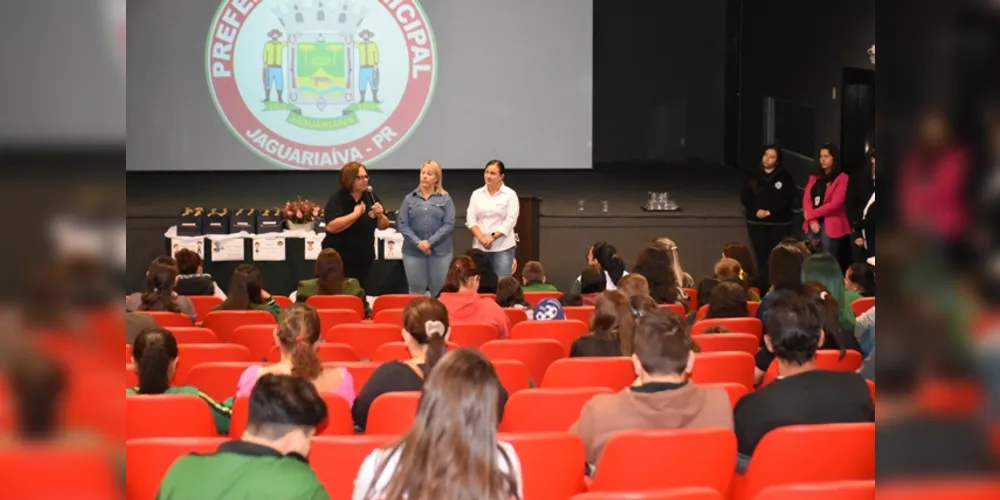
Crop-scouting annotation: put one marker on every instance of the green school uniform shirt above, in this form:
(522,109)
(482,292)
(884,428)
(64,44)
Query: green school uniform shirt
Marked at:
(540,287)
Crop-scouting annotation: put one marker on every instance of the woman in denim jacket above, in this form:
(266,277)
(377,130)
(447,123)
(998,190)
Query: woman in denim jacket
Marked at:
(426,221)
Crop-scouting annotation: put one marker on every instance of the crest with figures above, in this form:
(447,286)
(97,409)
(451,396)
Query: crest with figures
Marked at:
(314,84)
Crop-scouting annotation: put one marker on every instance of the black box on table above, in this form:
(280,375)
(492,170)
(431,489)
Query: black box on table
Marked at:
(191,222)
(243,219)
(270,221)
(217,221)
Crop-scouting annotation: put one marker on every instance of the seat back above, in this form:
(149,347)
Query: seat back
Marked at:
(82,472)
(397,351)
(727,342)
(675,308)
(360,371)
(365,338)
(168,319)
(513,375)
(258,339)
(969,489)
(337,459)
(533,298)
(750,325)
(632,460)
(203,304)
(392,301)
(536,354)
(392,413)
(148,460)
(612,373)
(871,388)
(128,353)
(671,494)
(515,315)
(546,410)
(329,318)
(472,335)
(563,331)
(168,415)
(862,305)
(338,302)
(338,417)
(789,455)
(551,463)
(825,360)
(189,355)
(194,335)
(282,301)
(389,317)
(724,367)
(217,380)
(733,390)
(223,323)
(838,490)
(693,302)
(582,314)
(131,378)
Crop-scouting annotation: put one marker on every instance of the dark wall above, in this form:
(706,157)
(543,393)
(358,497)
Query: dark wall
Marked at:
(797,50)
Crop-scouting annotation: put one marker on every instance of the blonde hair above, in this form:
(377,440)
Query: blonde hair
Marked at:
(436,168)
(669,245)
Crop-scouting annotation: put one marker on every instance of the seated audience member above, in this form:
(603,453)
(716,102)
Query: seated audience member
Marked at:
(269,460)
(135,323)
(802,394)
(604,256)
(192,280)
(488,279)
(465,305)
(611,328)
(425,331)
(642,304)
(330,280)
(727,300)
(534,279)
(154,356)
(296,337)
(37,388)
(727,269)
(834,336)
(663,397)
(548,309)
(864,332)
(634,285)
(784,273)
(860,279)
(161,279)
(684,280)
(246,293)
(571,300)
(592,284)
(452,449)
(742,255)
(824,268)
(510,295)
(656,264)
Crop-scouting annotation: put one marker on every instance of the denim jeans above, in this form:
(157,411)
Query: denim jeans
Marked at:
(426,272)
(830,245)
(502,261)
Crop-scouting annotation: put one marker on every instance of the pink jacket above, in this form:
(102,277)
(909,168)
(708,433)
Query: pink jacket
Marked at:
(468,307)
(833,211)
(932,199)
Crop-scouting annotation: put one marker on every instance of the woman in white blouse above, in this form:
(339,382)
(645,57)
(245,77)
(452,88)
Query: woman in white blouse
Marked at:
(451,451)
(492,214)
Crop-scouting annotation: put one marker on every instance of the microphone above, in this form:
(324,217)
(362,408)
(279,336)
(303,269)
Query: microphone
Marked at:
(371,196)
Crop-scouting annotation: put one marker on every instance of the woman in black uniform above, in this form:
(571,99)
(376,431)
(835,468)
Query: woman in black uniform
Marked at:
(352,216)
(768,198)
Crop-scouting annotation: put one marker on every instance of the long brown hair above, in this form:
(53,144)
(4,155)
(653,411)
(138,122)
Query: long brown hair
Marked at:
(426,320)
(245,288)
(613,320)
(153,352)
(462,269)
(329,272)
(510,293)
(450,452)
(298,332)
(741,254)
(656,263)
(634,285)
(160,280)
(829,310)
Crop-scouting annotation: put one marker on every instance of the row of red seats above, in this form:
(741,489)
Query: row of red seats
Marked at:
(633,461)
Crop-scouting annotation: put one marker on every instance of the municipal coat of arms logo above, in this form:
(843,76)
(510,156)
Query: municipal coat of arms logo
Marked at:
(315,84)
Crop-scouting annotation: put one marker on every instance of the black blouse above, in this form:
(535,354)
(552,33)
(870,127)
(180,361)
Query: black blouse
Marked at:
(358,240)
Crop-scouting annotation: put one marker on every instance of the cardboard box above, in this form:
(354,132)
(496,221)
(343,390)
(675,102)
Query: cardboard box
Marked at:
(243,220)
(191,222)
(270,221)
(216,222)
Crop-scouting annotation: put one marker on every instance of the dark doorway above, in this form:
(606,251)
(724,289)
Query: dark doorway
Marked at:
(857,117)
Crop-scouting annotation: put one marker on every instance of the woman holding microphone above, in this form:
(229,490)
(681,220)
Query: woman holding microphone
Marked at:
(492,214)
(768,198)
(352,215)
(427,221)
(825,202)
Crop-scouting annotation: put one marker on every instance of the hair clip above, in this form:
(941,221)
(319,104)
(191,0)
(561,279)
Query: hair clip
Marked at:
(434,327)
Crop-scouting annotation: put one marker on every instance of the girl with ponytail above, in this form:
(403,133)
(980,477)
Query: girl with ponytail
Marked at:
(425,332)
(161,279)
(295,338)
(154,356)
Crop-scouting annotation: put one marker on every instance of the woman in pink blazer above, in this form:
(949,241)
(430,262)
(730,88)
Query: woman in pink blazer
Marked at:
(825,202)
